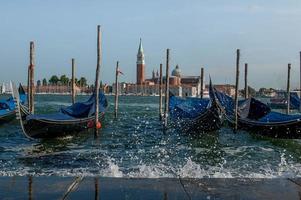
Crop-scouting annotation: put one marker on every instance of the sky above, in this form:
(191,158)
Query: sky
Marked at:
(199,33)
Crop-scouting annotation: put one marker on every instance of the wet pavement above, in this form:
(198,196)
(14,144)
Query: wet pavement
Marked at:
(53,187)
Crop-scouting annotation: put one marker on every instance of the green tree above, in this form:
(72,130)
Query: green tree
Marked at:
(82,82)
(54,80)
(64,80)
(39,83)
(44,82)
(252,91)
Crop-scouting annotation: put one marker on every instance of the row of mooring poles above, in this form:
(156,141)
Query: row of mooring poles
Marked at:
(246,90)
(246,93)
(30,81)
(164,115)
(161,114)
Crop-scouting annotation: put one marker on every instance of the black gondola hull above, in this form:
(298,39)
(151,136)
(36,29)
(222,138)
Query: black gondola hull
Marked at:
(211,120)
(7,117)
(44,129)
(39,129)
(286,130)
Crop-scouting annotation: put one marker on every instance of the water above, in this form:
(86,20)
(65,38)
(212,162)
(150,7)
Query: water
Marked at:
(135,146)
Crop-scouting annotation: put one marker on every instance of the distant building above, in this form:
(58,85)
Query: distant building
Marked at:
(6,88)
(226,88)
(140,65)
(180,85)
(267,92)
(176,72)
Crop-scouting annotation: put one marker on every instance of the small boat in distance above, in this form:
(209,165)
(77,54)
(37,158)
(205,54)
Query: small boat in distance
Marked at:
(280,100)
(8,107)
(255,116)
(67,121)
(196,115)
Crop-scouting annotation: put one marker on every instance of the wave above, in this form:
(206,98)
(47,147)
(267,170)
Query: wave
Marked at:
(189,169)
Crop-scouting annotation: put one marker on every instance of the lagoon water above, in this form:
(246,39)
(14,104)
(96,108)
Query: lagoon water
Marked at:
(135,146)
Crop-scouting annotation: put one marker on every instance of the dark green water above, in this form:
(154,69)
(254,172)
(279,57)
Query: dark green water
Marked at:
(135,146)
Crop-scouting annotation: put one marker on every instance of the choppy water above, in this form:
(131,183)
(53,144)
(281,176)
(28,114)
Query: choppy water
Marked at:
(135,146)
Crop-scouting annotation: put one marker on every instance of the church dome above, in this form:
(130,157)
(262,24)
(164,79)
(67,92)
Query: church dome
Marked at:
(176,72)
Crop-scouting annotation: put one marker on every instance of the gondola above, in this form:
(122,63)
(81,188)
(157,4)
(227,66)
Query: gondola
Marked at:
(280,101)
(196,115)
(8,108)
(67,121)
(257,117)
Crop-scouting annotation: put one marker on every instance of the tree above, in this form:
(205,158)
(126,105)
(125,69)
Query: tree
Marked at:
(82,82)
(252,91)
(44,82)
(64,80)
(38,83)
(54,80)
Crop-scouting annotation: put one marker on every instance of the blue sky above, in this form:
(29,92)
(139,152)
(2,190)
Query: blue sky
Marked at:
(198,32)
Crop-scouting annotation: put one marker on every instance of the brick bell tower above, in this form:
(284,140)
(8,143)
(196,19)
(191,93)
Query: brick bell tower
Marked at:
(140,65)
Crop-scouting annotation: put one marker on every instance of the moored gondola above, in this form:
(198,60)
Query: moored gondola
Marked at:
(67,121)
(255,116)
(196,115)
(8,107)
(280,101)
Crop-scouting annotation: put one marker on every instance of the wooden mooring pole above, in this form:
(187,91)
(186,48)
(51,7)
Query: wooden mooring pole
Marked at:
(97,123)
(288,87)
(166,90)
(116,89)
(236,89)
(161,93)
(202,83)
(31,79)
(246,81)
(300,83)
(73,81)
(28,86)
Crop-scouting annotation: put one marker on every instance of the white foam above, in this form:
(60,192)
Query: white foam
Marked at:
(109,167)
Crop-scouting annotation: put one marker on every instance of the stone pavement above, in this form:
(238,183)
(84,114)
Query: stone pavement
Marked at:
(142,188)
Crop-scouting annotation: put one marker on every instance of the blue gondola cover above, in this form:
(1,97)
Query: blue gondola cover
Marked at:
(75,111)
(187,107)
